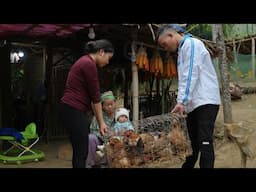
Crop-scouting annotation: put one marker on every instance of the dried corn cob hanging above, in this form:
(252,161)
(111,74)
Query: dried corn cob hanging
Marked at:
(142,59)
(167,67)
(156,64)
(145,60)
(171,67)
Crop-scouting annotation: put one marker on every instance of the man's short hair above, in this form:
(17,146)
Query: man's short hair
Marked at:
(174,27)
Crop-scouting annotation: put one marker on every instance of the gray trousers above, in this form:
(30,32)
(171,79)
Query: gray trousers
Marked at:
(94,141)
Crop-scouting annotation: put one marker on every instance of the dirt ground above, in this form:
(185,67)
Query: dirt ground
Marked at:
(226,151)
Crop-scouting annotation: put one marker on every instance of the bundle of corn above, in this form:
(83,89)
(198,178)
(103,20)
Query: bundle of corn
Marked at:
(142,59)
(156,139)
(156,64)
(171,67)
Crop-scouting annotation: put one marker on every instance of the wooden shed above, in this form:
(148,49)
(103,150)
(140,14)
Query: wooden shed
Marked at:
(51,50)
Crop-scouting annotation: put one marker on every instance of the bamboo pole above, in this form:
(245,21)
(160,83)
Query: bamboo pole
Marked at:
(135,86)
(148,45)
(234,51)
(253,58)
(26,45)
(238,40)
(163,97)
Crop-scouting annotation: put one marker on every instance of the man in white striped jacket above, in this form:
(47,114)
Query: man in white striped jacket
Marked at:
(198,91)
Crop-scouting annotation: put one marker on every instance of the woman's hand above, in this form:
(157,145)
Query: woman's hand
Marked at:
(103,128)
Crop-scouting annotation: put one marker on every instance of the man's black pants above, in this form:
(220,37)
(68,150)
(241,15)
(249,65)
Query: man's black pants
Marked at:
(200,124)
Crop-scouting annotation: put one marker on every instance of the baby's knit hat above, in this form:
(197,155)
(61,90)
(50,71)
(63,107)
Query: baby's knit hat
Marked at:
(121,111)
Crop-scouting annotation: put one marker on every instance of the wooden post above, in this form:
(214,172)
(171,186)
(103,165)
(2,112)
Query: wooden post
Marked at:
(1,105)
(48,86)
(44,62)
(5,78)
(126,88)
(135,86)
(163,101)
(253,58)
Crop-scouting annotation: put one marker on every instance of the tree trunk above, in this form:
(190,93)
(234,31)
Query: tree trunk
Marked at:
(226,98)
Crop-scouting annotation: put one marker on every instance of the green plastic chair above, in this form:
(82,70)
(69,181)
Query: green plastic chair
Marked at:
(29,133)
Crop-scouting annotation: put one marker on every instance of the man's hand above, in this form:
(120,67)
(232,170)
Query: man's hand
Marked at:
(179,108)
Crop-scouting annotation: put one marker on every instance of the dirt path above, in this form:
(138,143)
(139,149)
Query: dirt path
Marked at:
(244,113)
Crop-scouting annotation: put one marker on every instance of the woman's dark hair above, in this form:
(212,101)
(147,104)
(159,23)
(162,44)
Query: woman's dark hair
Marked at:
(94,46)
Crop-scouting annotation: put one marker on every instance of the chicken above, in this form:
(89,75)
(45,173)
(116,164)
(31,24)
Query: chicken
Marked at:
(116,153)
(178,141)
(148,142)
(130,138)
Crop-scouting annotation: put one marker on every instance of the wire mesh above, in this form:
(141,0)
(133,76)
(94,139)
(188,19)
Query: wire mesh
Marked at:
(155,139)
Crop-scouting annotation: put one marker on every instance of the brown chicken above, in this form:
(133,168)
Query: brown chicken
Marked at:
(178,141)
(117,155)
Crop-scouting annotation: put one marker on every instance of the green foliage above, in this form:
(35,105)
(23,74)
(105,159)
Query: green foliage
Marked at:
(232,31)
(228,29)
(201,30)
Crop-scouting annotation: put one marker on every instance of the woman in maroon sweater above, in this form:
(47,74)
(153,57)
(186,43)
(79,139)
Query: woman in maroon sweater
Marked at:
(81,94)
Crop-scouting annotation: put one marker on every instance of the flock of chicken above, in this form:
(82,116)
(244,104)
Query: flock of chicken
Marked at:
(143,146)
